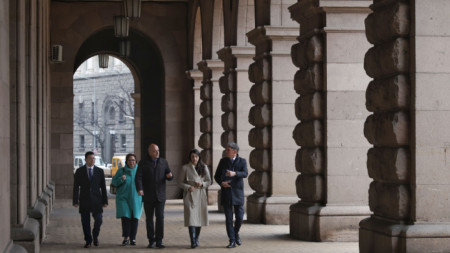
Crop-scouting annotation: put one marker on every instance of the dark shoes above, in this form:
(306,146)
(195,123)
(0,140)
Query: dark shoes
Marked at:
(96,242)
(238,240)
(125,242)
(87,245)
(231,245)
(133,242)
(159,245)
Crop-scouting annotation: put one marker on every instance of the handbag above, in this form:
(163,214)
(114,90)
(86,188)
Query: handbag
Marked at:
(112,187)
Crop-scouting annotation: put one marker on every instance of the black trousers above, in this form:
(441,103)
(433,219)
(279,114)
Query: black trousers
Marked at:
(155,232)
(129,227)
(86,223)
(232,231)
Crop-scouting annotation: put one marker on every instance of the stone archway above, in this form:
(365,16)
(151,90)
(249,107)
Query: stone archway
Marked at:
(145,71)
(157,59)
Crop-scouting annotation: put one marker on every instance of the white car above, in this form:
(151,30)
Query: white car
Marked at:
(79,161)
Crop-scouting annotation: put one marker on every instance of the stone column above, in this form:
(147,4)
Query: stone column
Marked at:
(197,77)
(25,230)
(213,70)
(137,125)
(237,59)
(272,157)
(408,97)
(333,184)
(5,135)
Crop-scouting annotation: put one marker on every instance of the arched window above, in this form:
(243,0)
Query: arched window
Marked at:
(111,113)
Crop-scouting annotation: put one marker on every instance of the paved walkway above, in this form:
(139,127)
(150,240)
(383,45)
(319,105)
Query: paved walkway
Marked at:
(64,234)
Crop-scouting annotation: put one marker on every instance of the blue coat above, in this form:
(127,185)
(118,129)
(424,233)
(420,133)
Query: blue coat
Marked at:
(128,202)
(235,194)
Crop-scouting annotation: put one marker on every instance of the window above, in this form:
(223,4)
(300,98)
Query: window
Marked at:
(93,113)
(123,140)
(112,113)
(122,109)
(82,145)
(81,113)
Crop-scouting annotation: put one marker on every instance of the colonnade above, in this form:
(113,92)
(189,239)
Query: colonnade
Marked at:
(353,99)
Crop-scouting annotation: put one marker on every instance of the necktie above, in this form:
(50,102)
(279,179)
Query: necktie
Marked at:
(90,173)
(154,163)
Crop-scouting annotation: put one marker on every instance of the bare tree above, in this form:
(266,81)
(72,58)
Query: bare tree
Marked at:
(95,120)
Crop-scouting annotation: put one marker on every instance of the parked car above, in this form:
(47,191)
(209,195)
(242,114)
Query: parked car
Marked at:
(117,162)
(79,161)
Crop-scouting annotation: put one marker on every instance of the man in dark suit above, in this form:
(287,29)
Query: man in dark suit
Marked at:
(151,177)
(89,194)
(229,175)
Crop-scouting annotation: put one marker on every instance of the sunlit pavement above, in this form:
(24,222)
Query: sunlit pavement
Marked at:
(64,234)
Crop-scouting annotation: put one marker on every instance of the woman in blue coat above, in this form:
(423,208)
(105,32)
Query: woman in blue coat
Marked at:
(128,202)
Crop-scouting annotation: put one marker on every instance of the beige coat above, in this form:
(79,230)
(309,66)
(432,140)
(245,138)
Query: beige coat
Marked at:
(196,202)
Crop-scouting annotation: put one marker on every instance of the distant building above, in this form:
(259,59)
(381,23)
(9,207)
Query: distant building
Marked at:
(103,109)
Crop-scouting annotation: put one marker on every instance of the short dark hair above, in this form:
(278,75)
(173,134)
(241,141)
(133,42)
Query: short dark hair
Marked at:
(128,156)
(233,145)
(88,154)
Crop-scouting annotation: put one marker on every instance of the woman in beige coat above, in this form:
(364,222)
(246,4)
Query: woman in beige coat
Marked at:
(194,180)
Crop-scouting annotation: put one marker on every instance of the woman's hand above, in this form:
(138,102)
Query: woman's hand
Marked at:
(198,184)
(124,177)
(191,189)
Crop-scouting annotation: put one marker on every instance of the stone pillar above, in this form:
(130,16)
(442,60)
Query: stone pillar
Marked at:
(408,97)
(213,69)
(272,159)
(333,184)
(197,77)
(5,135)
(137,125)
(237,59)
(22,120)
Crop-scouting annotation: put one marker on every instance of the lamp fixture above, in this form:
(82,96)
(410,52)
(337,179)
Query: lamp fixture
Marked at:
(124,48)
(121,26)
(132,8)
(103,60)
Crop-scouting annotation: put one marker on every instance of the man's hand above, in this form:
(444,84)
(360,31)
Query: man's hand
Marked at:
(230,173)
(105,205)
(141,193)
(226,184)
(191,189)
(169,175)
(76,205)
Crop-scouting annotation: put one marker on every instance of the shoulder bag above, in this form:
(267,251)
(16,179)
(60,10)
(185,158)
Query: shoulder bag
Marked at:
(112,187)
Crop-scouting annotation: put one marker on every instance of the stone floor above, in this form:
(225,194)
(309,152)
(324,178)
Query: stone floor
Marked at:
(64,234)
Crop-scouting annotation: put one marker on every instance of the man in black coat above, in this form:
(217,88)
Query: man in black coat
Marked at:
(151,177)
(89,194)
(229,175)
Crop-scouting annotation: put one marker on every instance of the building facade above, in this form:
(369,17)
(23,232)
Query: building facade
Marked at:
(341,108)
(103,109)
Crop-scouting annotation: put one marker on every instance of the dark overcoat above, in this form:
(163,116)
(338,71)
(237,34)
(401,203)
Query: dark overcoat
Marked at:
(89,195)
(152,180)
(235,194)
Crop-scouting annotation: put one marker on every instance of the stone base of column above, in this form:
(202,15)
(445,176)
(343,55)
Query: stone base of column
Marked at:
(269,210)
(310,222)
(14,248)
(39,213)
(381,236)
(213,191)
(27,236)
